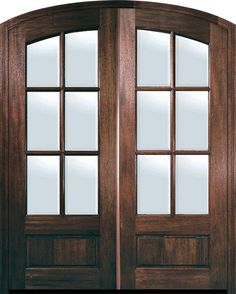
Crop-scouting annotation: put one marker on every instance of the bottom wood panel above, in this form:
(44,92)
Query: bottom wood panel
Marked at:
(172,250)
(172,278)
(60,251)
(62,278)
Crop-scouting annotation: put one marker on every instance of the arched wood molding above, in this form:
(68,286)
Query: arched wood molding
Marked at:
(156,8)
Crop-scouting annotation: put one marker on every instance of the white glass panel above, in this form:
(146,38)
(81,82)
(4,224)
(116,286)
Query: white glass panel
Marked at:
(81,185)
(191,62)
(153,187)
(153,58)
(191,120)
(43,184)
(43,63)
(43,127)
(153,120)
(192,184)
(81,59)
(81,121)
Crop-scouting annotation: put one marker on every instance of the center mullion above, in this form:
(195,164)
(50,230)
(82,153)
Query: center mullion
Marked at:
(172,132)
(62,124)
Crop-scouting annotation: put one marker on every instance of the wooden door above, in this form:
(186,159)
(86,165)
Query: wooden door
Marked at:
(173,219)
(125,151)
(57,241)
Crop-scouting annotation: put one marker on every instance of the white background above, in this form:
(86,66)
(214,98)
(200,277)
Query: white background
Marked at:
(223,8)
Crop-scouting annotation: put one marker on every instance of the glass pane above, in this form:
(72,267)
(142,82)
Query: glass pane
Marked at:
(43,184)
(191,120)
(81,121)
(43,63)
(81,59)
(43,127)
(191,62)
(153,58)
(153,187)
(192,184)
(153,120)
(81,185)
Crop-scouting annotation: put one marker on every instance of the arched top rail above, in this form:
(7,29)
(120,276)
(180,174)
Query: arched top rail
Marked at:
(115,4)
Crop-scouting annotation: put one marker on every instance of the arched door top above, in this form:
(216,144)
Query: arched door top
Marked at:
(116,4)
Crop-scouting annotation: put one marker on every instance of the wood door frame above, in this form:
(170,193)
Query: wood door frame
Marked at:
(6,27)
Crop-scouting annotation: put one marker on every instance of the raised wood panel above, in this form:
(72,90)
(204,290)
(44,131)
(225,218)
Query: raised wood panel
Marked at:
(168,278)
(62,251)
(171,21)
(61,278)
(179,224)
(172,250)
(62,224)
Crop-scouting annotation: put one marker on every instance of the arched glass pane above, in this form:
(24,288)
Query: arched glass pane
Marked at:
(81,59)
(153,58)
(43,65)
(191,62)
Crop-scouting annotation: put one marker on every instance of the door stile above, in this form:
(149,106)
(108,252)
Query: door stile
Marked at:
(127,146)
(230,159)
(232,219)
(17,164)
(4,213)
(108,146)
(218,158)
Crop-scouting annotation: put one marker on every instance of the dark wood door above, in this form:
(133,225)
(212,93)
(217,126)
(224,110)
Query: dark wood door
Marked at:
(173,226)
(137,198)
(56,241)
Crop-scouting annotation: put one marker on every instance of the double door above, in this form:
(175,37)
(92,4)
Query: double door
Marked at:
(117,151)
